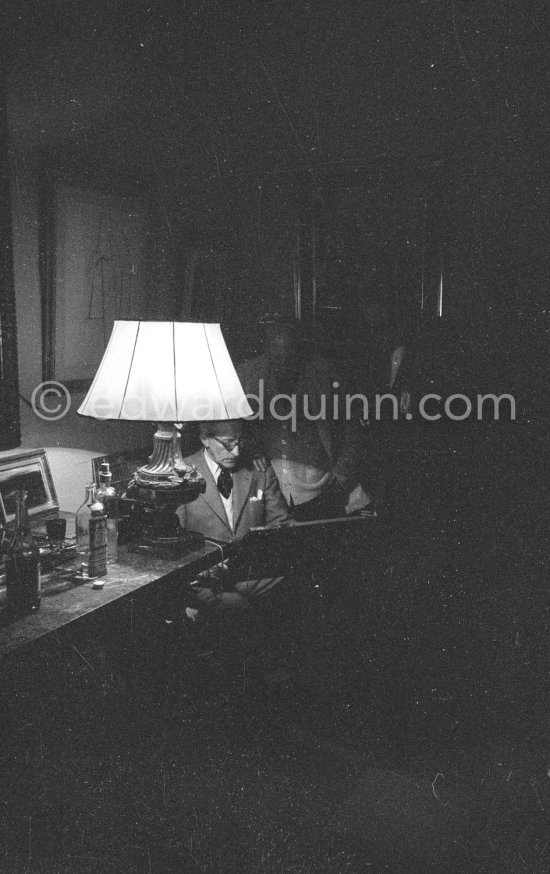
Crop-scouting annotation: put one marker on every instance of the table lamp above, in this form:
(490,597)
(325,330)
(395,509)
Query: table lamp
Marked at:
(167,373)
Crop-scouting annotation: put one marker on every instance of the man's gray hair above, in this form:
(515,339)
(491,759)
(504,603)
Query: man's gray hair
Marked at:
(208,429)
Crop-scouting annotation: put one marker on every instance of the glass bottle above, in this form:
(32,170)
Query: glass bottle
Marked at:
(82,530)
(23,582)
(97,557)
(108,496)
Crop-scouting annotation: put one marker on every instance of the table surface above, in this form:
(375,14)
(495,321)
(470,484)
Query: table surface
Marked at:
(63,602)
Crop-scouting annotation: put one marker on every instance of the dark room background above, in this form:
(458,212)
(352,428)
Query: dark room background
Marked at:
(381,151)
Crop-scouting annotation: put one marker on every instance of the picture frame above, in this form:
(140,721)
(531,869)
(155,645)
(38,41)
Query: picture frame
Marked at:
(31,472)
(93,258)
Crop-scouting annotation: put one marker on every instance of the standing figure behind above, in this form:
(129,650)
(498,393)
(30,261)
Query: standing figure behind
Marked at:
(314,455)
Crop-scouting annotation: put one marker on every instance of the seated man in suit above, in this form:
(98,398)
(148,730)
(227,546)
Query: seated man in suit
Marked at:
(225,512)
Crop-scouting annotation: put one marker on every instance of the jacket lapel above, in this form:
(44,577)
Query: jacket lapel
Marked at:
(211,496)
(242,485)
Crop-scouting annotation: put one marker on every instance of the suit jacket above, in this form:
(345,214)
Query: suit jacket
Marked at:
(207,515)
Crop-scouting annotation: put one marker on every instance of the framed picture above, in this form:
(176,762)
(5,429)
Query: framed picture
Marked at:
(94,233)
(30,472)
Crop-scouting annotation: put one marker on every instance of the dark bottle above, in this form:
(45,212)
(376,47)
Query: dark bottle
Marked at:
(108,495)
(23,581)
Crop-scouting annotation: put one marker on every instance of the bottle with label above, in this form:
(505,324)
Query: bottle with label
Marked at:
(97,557)
(108,496)
(91,536)
(23,582)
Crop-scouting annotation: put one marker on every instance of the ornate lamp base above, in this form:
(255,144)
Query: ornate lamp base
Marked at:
(155,492)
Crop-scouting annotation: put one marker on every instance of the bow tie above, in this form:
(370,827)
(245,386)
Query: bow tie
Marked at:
(225,482)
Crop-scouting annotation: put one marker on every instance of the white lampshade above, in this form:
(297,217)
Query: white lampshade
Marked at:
(166,372)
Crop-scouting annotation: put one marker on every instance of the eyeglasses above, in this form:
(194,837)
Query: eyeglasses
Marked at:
(229,445)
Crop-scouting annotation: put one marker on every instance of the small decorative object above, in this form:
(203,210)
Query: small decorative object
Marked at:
(107,494)
(23,582)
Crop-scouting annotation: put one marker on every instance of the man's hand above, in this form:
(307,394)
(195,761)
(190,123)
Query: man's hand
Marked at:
(354,495)
(260,463)
(358,499)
